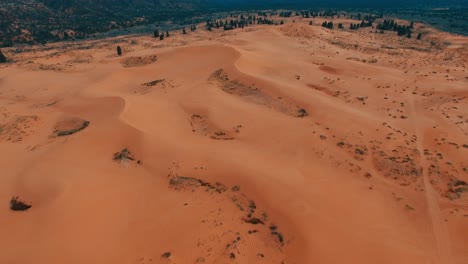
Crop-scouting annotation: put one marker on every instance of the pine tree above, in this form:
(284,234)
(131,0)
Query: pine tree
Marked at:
(408,35)
(119,51)
(167,33)
(3,59)
(183,31)
(419,36)
(156,33)
(161,37)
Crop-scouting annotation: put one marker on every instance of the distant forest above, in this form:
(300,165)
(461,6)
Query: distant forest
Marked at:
(40,21)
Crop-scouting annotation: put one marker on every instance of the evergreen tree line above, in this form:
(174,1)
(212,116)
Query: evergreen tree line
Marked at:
(368,17)
(162,35)
(240,23)
(403,30)
(309,14)
(354,26)
(328,25)
(363,24)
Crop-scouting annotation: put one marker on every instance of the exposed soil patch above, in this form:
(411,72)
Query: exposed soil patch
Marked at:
(189,183)
(248,208)
(202,126)
(17,128)
(401,164)
(329,69)
(255,94)
(138,61)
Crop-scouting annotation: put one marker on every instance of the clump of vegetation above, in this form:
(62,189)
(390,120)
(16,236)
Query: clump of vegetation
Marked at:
(16,205)
(254,221)
(279,235)
(125,154)
(119,51)
(403,30)
(153,83)
(62,133)
(302,113)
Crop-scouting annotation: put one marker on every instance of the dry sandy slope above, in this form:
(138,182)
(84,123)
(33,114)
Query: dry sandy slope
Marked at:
(371,172)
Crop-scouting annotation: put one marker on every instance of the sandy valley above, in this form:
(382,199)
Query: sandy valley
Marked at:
(269,144)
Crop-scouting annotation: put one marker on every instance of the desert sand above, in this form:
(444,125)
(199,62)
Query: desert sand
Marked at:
(268,144)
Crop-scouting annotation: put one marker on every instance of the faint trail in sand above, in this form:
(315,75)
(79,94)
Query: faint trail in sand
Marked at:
(439,227)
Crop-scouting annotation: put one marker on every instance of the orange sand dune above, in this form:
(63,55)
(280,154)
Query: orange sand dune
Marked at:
(272,144)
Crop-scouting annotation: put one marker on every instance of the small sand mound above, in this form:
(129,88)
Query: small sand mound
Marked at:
(139,61)
(329,69)
(70,126)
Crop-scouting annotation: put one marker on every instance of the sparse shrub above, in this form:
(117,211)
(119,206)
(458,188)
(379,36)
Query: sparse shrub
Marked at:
(302,113)
(125,154)
(3,59)
(16,205)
